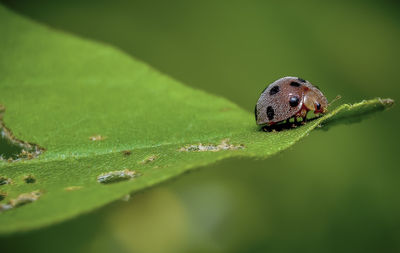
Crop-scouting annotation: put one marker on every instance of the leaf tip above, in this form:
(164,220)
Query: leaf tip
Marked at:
(387,102)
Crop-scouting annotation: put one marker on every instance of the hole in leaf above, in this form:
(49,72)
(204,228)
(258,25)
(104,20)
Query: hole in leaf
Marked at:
(21,200)
(116,176)
(29,179)
(224,145)
(4,180)
(12,149)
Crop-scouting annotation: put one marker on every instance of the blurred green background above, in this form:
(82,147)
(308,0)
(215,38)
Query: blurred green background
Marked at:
(335,191)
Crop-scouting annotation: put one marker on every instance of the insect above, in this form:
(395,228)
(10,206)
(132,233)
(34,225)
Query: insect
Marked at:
(286,98)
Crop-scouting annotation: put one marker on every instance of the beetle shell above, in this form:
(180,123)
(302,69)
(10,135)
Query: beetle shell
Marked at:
(286,98)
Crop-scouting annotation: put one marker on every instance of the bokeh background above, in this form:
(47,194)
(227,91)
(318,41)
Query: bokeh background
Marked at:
(335,191)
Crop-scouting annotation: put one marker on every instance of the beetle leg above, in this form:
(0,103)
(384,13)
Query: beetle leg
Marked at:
(296,121)
(290,124)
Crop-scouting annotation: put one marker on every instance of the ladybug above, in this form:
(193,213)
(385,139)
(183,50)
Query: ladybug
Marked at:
(286,98)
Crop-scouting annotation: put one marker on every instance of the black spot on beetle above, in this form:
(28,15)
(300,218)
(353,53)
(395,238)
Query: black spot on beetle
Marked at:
(295,84)
(270,112)
(318,106)
(255,112)
(294,101)
(301,80)
(274,90)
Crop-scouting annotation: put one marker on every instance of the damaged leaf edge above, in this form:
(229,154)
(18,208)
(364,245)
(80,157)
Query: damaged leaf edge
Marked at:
(29,150)
(385,104)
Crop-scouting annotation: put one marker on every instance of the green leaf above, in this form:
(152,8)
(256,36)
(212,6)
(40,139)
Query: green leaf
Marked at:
(96,125)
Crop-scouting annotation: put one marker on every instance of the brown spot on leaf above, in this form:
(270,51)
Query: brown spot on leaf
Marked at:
(127,152)
(149,159)
(72,188)
(97,138)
